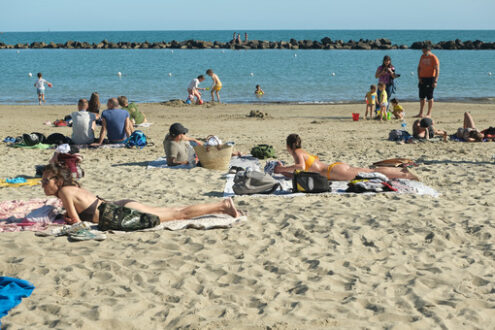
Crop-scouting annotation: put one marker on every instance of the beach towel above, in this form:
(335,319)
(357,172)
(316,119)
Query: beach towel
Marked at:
(337,187)
(243,161)
(103,146)
(83,231)
(143,125)
(12,290)
(19,183)
(40,146)
(30,215)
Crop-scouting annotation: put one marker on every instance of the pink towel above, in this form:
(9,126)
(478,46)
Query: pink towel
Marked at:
(33,215)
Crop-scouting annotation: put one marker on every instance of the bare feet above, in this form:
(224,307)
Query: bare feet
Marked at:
(411,174)
(418,116)
(230,208)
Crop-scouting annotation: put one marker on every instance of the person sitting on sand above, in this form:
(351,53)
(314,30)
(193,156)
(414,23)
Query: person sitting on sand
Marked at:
(83,124)
(469,132)
(94,104)
(336,171)
(115,123)
(82,205)
(136,116)
(177,147)
(424,129)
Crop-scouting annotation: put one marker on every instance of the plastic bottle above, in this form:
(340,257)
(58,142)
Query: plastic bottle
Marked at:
(403,124)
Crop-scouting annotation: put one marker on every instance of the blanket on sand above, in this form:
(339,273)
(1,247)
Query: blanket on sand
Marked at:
(32,215)
(89,231)
(242,161)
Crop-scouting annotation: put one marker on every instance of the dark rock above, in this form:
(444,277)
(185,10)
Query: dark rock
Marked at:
(293,42)
(362,45)
(326,41)
(404,47)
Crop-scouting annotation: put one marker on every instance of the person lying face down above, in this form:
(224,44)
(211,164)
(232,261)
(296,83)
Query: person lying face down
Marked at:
(336,171)
(425,129)
(176,145)
(82,205)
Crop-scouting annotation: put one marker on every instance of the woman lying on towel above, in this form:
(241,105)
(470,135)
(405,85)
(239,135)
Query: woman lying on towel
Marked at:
(337,171)
(82,205)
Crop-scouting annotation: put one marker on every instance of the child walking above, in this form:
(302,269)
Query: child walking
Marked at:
(40,87)
(217,85)
(382,101)
(370,101)
(397,109)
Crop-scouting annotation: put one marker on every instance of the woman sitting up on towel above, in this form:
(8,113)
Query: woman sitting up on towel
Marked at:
(336,171)
(82,205)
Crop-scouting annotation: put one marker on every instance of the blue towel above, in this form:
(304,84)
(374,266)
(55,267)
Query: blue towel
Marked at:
(12,290)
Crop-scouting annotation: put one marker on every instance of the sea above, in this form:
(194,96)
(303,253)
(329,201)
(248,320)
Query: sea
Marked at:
(292,76)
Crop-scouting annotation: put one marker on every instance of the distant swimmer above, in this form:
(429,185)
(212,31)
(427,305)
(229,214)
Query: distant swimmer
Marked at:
(259,92)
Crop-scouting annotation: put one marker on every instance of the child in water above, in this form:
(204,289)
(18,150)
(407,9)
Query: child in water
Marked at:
(217,85)
(382,101)
(370,101)
(40,87)
(258,92)
(397,110)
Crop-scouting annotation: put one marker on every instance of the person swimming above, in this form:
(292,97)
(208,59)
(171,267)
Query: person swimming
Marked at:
(336,171)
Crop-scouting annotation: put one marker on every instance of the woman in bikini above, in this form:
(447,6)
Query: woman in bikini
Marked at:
(82,205)
(336,171)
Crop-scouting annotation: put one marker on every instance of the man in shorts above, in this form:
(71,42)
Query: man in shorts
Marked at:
(428,72)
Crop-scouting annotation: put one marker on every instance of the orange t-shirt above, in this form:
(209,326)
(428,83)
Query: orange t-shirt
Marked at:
(427,66)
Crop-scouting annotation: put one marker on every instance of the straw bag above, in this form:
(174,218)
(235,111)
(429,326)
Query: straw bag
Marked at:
(214,157)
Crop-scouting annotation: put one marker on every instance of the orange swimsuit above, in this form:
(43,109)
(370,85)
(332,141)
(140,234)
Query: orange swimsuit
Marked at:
(308,162)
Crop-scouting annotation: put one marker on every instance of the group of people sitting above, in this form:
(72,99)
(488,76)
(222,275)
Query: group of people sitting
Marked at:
(117,122)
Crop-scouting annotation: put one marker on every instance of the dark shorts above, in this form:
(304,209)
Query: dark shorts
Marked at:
(426,88)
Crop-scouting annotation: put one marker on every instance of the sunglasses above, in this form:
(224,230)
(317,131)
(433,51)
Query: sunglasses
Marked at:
(46,180)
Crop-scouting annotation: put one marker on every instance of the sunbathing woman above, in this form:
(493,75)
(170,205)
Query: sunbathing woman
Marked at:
(82,205)
(336,171)
(469,132)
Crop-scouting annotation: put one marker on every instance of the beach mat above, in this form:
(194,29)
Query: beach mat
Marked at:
(29,182)
(89,231)
(242,161)
(12,290)
(30,215)
(40,146)
(403,186)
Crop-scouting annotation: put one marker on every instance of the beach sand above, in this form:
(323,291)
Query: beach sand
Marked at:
(345,261)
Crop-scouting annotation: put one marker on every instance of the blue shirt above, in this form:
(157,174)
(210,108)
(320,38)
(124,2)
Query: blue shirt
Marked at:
(115,120)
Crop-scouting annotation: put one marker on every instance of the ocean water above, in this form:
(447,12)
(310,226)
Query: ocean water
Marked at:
(308,76)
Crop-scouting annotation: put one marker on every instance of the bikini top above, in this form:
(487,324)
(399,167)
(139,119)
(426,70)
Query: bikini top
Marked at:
(89,213)
(308,162)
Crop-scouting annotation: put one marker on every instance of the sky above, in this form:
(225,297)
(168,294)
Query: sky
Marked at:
(127,15)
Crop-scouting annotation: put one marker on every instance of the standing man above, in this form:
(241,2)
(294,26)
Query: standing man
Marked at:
(428,72)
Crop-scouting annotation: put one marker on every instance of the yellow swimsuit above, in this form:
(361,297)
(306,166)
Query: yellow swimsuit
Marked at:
(308,162)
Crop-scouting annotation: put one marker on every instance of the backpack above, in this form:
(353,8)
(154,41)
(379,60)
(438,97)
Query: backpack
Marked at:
(262,151)
(33,138)
(309,182)
(254,182)
(137,139)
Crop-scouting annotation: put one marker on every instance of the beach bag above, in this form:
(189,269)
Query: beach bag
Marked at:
(58,139)
(115,217)
(309,182)
(33,138)
(137,139)
(263,151)
(214,158)
(254,182)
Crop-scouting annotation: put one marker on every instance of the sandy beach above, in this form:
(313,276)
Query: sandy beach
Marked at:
(312,262)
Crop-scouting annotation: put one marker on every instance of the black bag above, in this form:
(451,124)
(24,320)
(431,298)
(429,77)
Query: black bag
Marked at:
(309,182)
(254,182)
(33,138)
(58,139)
(115,217)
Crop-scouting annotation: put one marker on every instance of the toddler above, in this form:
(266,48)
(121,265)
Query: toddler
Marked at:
(370,101)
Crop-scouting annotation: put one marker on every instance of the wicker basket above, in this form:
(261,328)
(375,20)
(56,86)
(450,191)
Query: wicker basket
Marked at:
(214,157)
